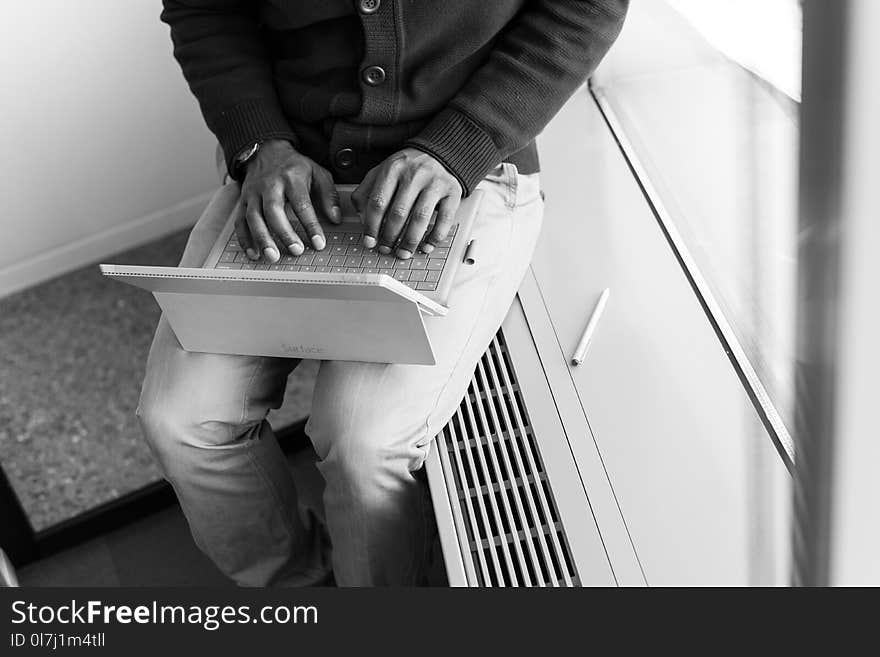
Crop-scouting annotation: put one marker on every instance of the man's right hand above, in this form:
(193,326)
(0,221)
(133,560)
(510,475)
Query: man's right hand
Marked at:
(277,194)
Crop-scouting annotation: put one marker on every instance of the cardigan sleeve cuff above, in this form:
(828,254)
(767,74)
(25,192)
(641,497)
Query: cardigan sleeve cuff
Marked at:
(254,120)
(464,148)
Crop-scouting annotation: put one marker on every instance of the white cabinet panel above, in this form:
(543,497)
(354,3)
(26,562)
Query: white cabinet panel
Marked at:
(697,480)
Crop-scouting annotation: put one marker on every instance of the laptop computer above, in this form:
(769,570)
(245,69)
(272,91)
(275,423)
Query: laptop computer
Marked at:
(345,302)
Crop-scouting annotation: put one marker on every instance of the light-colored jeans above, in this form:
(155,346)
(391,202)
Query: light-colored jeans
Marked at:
(204,416)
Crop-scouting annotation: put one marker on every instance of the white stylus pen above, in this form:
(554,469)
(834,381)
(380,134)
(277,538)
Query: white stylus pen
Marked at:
(584,344)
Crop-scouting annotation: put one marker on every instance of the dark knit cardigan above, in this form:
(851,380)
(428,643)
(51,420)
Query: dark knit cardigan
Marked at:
(472,82)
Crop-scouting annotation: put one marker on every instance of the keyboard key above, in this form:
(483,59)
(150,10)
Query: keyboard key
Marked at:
(227,256)
(228,265)
(386,262)
(337,261)
(321,260)
(351,238)
(418,274)
(355,249)
(353,261)
(402,264)
(262,266)
(441,252)
(333,238)
(387,272)
(304,259)
(339,249)
(449,237)
(401,274)
(436,263)
(371,270)
(323,270)
(290,267)
(433,275)
(248,265)
(337,270)
(352,270)
(370,261)
(241,256)
(411,284)
(276,267)
(426,286)
(419,263)
(307,269)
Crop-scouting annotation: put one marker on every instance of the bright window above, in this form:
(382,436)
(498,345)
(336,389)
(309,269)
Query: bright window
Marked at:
(704,97)
(763,36)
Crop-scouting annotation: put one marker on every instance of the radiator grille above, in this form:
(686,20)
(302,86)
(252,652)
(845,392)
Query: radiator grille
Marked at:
(502,504)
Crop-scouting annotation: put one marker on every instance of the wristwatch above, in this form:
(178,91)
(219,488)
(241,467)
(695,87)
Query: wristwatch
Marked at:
(244,157)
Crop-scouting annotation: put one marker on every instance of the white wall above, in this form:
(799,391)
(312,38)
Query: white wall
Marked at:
(855,530)
(103,146)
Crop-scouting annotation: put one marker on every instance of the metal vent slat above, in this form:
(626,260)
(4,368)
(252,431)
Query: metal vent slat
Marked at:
(493,503)
(520,534)
(461,483)
(483,394)
(495,437)
(506,485)
(444,439)
(516,435)
(509,491)
(502,503)
(520,437)
(507,386)
(481,504)
(508,520)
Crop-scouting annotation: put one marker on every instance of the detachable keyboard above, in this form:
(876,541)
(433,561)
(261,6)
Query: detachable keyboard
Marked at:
(345,253)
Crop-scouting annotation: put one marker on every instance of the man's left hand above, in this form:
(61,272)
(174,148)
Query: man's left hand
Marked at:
(397,199)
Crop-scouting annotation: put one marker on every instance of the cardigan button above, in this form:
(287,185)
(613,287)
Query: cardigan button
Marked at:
(374,75)
(344,158)
(369,6)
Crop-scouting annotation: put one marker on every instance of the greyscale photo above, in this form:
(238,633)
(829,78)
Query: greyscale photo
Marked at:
(396,294)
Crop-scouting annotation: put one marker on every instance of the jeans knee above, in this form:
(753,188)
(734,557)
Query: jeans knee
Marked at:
(164,428)
(367,460)
(176,432)
(360,441)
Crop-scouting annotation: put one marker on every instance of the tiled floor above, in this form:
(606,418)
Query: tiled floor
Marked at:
(155,551)
(159,551)
(72,353)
